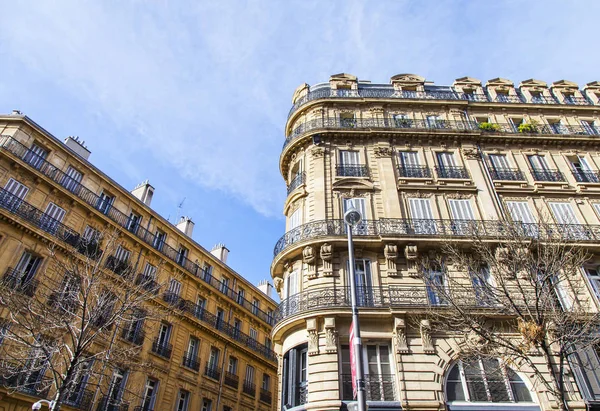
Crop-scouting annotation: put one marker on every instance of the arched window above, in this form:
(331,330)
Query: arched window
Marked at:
(485,380)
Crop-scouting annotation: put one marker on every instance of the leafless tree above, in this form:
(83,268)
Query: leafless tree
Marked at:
(516,296)
(76,321)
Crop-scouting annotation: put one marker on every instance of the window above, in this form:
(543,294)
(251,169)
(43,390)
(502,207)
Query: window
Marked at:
(446,160)
(502,96)
(290,284)
(268,343)
(206,405)
(17,192)
(224,285)
(499,162)
(360,205)
(582,170)
(174,287)
(241,294)
(255,306)
(349,158)
(122,254)
(182,400)
(379,372)
(520,211)
(52,217)
(402,121)
(557,127)
(213,362)
(105,202)
(436,283)
(563,213)
(150,271)
(295,377)
(539,168)
(25,270)
(232,366)
(295,219)
(515,122)
(422,216)
(101,315)
(485,380)
(133,222)
(79,382)
(408,159)
(249,378)
(150,392)
(116,388)
(347,120)
(71,179)
(220,318)
(35,156)
(90,234)
(3,330)
(200,306)
(483,284)
(589,127)
(164,334)
(266,382)
(182,254)
(207,270)
(159,240)
(536,97)
(435,121)
(363,281)
(462,217)
(593,275)
(253,337)
(237,327)
(133,330)
(190,358)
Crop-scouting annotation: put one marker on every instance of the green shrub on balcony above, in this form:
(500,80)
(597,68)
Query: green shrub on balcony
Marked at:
(530,127)
(491,127)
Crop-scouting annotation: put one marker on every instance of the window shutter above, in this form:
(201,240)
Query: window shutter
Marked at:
(420,209)
(499,161)
(446,160)
(55,212)
(564,214)
(538,162)
(461,210)
(296,218)
(519,211)
(17,189)
(409,158)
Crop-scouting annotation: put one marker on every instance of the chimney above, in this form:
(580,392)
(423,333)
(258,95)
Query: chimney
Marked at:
(144,191)
(186,225)
(16,113)
(78,147)
(221,252)
(266,287)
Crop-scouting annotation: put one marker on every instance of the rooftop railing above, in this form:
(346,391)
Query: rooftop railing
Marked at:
(411,228)
(92,199)
(389,92)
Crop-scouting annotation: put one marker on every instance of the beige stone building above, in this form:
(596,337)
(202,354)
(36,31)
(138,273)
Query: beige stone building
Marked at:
(212,354)
(413,157)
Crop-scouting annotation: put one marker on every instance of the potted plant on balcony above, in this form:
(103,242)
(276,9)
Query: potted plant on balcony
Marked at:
(530,127)
(489,127)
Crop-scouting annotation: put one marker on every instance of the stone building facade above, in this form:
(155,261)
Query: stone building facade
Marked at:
(413,158)
(212,353)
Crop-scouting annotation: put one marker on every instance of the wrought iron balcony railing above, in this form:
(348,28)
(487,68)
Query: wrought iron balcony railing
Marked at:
(411,228)
(378,387)
(296,182)
(212,371)
(108,404)
(414,172)
(147,283)
(19,281)
(266,396)
(174,300)
(452,172)
(133,336)
(118,266)
(507,174)
(30,213)
(586,176)
(143,408)
(352,171)
(231,380)
(190,360)
(80,399)
(161,348)
(22,379)
(249,388)
(547,175)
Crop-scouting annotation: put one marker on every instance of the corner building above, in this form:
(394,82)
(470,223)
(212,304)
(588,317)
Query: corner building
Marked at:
(213,353)
(415,157)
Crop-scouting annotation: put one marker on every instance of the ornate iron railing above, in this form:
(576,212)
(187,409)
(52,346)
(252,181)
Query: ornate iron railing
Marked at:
(266,396)
(389,92)
(108,404)
(378,387)
(190,360)
(296,182)
(586,176)
(133,336)
(409,228)
(35,216)
(117,266)
(414,172)
(147,283)
(231,380)
(81,399)
(20,282)
(249,388)
(452,172)
(162,349)
(547,175)
(212,371)
(352,171)
(507,174)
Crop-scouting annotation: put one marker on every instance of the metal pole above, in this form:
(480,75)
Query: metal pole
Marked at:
(360,382)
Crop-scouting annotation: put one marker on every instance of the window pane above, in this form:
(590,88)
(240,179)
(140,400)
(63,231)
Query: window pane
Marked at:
(520,391)
(455,391)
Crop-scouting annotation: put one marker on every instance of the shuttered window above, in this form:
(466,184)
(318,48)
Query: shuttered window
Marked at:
(519,211)
(71,179)
(122,254)
(564,213)
(499,161)
(420,209)
(291,284)
(538,162)
(17,189)
(55,212)
(296,218)
(446,160)
(356,203)
(174,286)
(35,156)
(349,158)
(409,159)
(461,210)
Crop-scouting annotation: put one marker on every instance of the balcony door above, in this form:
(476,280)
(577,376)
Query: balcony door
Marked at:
(462,217)
(521,213)
(363,281)
(361,205)
(446,160)
(422,216)
(499,162)
(117,386)
(563,213)
(150,392)
(16,193)
(52,217)
(35,156)
(435,284)
(379,376)
(26,268)
(582,170)
(349,158)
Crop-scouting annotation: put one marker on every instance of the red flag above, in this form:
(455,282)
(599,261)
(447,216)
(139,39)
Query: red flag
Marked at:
(352,360)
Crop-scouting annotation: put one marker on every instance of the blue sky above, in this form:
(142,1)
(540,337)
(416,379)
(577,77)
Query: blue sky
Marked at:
(194,94)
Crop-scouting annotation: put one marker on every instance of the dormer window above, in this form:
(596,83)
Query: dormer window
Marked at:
(502,96)
(537,98)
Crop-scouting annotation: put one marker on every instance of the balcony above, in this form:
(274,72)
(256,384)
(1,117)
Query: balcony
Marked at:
(249,388)
(147,283)
(507,174)
(414,172)
(586,176)
(548,175)
(108,404)
(80,399)
(190,360)
(265,396)
(352,171)
(452,172)
(89,248)
(117,266)
(162,348)
(378,387)
(231,380)
(22,379)
(31,214)
(174,300)
(68,302)
(411,229)
(296,182)
(133,336)
(20,282)
(212,371)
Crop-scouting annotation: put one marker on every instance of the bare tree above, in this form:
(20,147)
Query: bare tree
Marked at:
(515,297)
(76,321)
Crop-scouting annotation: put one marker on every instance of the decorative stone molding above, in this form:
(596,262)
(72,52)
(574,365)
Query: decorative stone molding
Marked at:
(411,254)
(400,336)
(313,336)
(331,335)
(419,194)
(310,258)
(390,251)
(327,256)
(278,284)
(317,152)
(383,152)
(426,339)
(459,196)
(470,153)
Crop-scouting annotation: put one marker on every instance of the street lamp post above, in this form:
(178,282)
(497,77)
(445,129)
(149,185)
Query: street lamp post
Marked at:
(38,405)
(352,218)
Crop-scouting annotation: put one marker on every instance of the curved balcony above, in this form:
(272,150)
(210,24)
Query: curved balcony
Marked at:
(296,182)
(411,228)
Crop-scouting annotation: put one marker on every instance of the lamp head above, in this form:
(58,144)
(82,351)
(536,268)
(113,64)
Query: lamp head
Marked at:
(37,406)
(352,217)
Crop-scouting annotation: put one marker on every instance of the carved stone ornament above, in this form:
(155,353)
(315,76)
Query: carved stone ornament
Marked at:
(400,336)
(331,335)
(278,284)
(313,342)
(317,152)
(410,252)
(383,152)
(426,340)
(471,153)
(474,340)
(419,194)
(327,256)
(308,255)
(390,251)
